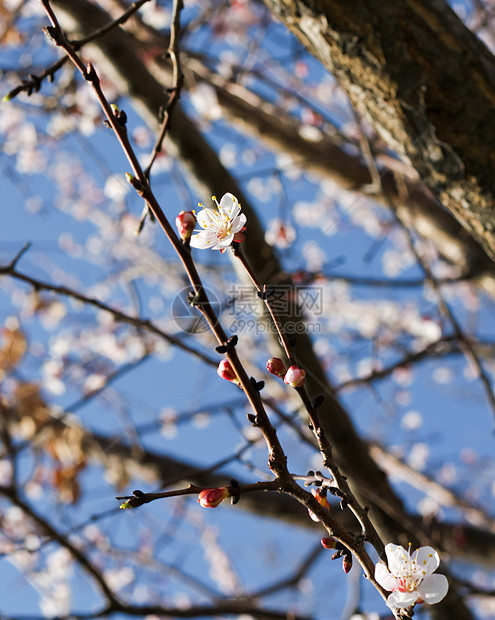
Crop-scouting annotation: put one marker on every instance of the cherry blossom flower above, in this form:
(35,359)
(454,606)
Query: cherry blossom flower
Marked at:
(410,578)
(222,225)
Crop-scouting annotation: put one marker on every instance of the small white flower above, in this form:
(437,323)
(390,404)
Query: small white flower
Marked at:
(221,224)
(410,578)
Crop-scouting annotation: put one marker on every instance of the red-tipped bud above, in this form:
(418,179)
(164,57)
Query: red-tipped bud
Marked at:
(185,222)
(321,496)
(226,371)
(210,498)
(347,563)
(276,366)
(295,376)
(328,543)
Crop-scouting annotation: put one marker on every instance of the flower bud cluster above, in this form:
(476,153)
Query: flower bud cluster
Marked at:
(293,376)
(340,552)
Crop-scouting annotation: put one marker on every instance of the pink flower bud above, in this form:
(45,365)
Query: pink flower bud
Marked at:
(185,222)
(210,498)
(276,366)
(226,371)
(295,376)
(328,543)
(347,563)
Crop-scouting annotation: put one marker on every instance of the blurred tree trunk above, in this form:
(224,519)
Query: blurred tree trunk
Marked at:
(424,81)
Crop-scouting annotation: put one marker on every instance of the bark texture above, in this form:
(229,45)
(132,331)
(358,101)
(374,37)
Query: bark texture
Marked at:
(424,81)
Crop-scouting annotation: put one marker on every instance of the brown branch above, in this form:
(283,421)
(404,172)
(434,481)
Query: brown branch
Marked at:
(221,608)
(440,348)
(193,148)
(35,81)
(276,458)
(76,553)
(145,324)
(311,407)
(330,159)
(173,53)
(444,496)
(305,566)
(466,344)
(139,498)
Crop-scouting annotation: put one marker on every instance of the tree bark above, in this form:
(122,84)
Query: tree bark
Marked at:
(424,81)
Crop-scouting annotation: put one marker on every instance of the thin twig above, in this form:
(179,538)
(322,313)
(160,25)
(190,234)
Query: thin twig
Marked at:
(466,343)
(361,514)
(76,553)
(277,459)
(174,96)
(119,315)
(35,81)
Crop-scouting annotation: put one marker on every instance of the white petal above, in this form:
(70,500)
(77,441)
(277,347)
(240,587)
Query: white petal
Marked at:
(433,588)
(396,556)
(384,577)
(229,205)
(238,223)
(402,599)
(427,560)
(204,218)
(224,243)
(206,239)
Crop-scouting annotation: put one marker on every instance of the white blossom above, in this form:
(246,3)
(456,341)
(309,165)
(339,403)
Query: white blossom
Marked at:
(221,224)
(409,577)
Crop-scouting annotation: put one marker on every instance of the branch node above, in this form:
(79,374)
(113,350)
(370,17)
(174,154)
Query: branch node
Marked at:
(90,74)
(318,401)
(52,34)
(229,346)
(235,491)
(258,385)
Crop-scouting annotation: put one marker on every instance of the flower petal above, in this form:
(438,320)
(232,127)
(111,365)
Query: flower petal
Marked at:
(384,577)
(402,599)
(433,588)
(224,243)
(397,556)
(427,560)
(238,223)
(229,205)
(205,218)
(206,239)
